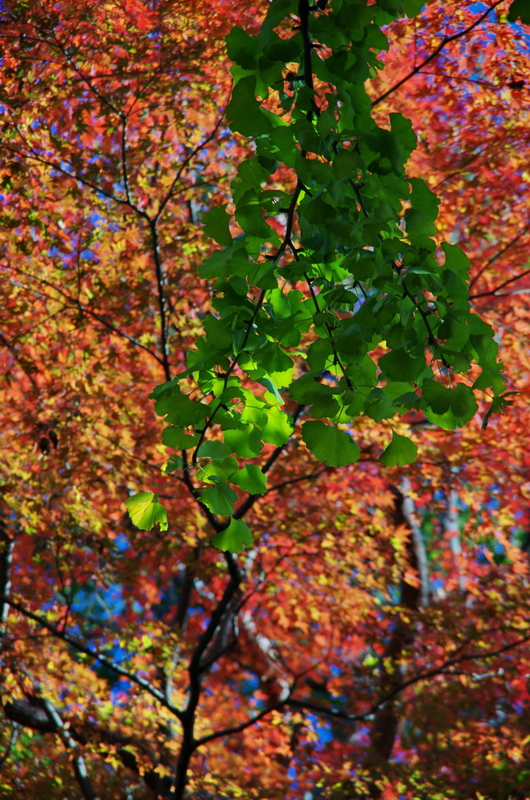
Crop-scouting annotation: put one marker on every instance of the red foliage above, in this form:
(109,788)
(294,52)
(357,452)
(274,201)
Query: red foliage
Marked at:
(379,635)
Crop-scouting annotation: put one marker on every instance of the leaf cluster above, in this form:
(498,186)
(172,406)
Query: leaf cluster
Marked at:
(329,287)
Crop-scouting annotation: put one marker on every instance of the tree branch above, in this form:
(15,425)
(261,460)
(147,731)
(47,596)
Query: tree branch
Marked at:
(159,272)
(436,52)
(498,254)
(243,725)
(95,654)
(76,305)
(500,286)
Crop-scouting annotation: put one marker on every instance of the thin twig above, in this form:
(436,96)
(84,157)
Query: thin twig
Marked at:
(445,41)
(95,654)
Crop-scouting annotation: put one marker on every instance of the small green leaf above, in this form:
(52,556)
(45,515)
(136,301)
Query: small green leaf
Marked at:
(398,365)
(244,113)
(175,464)
(277,427)
(216,225)
(399,452)
(251,479)
(219,497)
(180,409)
(459,402)
(144,510)
(244,440)
(335,448)
(412,7)
(378,406)
(456,260)
(217,335)
(213,449)
(176,438)
(420,218)
(271,387)
(250,216)
(234,538)
(498,406)
(241,48)
(218,469)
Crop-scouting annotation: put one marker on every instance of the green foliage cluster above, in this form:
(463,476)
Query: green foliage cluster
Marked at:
(322,274)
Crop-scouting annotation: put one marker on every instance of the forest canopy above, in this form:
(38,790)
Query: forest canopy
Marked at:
(264,522)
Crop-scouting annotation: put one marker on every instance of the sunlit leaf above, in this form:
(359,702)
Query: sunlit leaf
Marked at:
(234,538)
(145,511)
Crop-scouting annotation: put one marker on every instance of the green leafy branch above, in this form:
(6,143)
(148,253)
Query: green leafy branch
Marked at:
(330,293)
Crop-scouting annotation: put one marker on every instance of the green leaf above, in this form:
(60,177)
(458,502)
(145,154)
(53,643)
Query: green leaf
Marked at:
(244,113)
(277,427)
(179,409)
(378,406)
(251,479)
(521,9)
(219,497)
(216,225)
(498,406)
(234,538)
(244,441)
(176,438)
(412,7)
(250,216)
(399,452)
(398,365)
(335,448)
(145,510)
(218,469)
(218,337)
(271,388)
(241,48)
(420,218)
(456,260)
(213,449)
(175,464)
(460,404)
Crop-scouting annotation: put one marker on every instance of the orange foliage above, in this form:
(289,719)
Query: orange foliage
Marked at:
(377,644)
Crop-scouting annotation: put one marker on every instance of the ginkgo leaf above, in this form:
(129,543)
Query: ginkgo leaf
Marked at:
(277,427)
(145,510)
(175,437)
(399,452)
(251,479)
(450,408)
(335,448)
(398,365)
(244,113)
(234,538)
(219,497)
(216,225)
(498,406)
